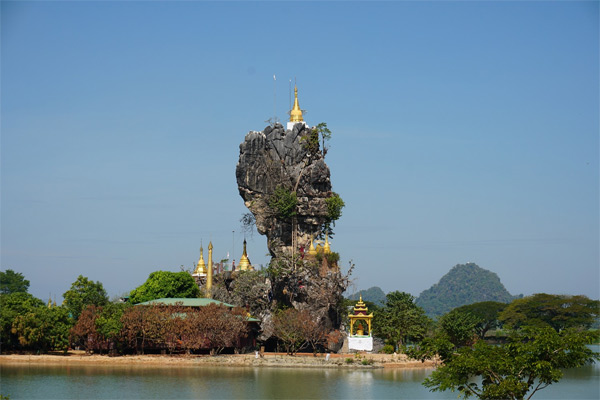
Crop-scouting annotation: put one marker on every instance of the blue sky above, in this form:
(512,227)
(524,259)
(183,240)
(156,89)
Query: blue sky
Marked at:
(462,132)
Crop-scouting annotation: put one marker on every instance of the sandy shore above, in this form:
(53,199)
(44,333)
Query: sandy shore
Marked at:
(238,360)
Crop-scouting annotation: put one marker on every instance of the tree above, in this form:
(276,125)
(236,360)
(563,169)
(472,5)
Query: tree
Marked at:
(43,328)
(84,292)
(458,328)
(486,312)
(165,284)
(11,306)
(221,326)
(84,331)
(532,360)
(288,327)
(13,282)
(322,130)
(143,324)
(400,319)
(556,311)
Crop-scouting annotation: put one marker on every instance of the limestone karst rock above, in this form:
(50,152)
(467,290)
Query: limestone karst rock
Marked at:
(279,158)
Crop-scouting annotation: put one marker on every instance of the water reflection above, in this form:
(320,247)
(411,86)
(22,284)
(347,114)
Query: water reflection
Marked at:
(202,382)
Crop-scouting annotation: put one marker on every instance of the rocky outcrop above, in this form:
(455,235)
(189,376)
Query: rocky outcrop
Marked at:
(275,158)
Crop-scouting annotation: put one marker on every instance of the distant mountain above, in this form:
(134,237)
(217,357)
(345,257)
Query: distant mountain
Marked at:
(374,295)
(464,284)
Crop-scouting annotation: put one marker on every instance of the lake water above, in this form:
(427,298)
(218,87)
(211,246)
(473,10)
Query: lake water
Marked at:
(202,382)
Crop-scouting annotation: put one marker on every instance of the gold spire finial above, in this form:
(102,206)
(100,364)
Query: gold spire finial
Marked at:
(296,112)
(244,264)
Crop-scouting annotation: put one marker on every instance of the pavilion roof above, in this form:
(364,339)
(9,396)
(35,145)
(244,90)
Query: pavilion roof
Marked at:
(186,302)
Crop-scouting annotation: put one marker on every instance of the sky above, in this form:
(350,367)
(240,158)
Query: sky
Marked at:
(461,132)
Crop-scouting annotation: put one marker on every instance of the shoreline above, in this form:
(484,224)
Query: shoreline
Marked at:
(280,360)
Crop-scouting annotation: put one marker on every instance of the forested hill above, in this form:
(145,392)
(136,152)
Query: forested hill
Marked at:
(464,284)
(374,295)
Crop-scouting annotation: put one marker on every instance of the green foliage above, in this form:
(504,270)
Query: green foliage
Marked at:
(165,284)
(109,323)
(374,295)
(284,203)
(84,292)
(458,327)
(400,320)
(349,360)
(334,207)
(532,360)
(486,313)
(310,141)
(387,349)
(464,284)
(11,306)
(367,361)
(13,282)
(556,311)
(43,328)
(332,258)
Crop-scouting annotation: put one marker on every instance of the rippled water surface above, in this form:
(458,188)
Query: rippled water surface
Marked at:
(202,382)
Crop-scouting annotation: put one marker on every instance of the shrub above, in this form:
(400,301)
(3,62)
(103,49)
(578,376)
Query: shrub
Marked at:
(349,360)
(387,349)
(283,202)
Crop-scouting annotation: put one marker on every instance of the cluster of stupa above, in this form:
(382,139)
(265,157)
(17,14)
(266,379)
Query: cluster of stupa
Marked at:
(321,247)
(203,273)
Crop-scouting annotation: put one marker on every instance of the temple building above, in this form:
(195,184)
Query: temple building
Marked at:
(295,113)
(361,337)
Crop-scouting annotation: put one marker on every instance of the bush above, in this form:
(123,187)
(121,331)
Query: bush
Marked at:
(332,258)
(283,202)
(349,360)
(387,349)
(367,361)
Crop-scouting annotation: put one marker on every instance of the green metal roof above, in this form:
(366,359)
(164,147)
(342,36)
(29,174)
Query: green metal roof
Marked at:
(171,301)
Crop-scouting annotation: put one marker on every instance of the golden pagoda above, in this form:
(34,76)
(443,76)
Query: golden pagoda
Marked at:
(244,264)
(201,266)
(361,313)
(326,247)
(296,112)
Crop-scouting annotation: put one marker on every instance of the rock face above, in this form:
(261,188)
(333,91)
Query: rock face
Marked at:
(270,162)
(275,158)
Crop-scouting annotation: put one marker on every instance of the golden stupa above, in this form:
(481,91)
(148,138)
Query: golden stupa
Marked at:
(296,112)
(244,264)
(201,266)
